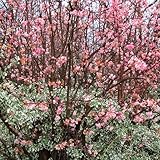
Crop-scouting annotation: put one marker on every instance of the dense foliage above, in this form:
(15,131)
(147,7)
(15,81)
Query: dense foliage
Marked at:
(79,79)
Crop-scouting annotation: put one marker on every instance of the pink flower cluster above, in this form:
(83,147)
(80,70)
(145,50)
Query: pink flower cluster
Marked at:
(56,100)
(139,118)
(60,61)
(148,103)
(88,132)
(23,142)
(78,13)
(93,69)
(103,117)
(43,106)
(39,22)
(77,69)
(91,151)
(58,113)
(130,47)
(63,145)
(56,84)
(72,122)
(150,108)
(38,51)
(138,64)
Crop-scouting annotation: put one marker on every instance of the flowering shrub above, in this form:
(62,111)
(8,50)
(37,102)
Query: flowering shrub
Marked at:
(109,134)
(79,79)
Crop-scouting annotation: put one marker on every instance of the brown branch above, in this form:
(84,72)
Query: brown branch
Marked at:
(10,128)
(69,81)
(150,5)
(118,83)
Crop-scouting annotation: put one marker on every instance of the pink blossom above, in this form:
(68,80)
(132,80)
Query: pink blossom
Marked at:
(26,34)
(91,151)
(87,98)
(38,51)
(77,69)
(73,123)
(106,118)
(120,116)
(23,142)
(102,113)
(78,120)
(96,118)
(48,70)
(57,118)
(94,153)
(130,47)
(71,142)
(61,146)
(53,84)
(137,22)
(112,76)
(111,114)
(140,65)
(17,141)
(61,60)
(139,119)
(40,22)
(74,113)
(88,132)
(67,121)
(110,64)
(99,75)
(149,114)
(43,106)
(24,23)
(150,102)
(56,100)
(18,33)
(59,110)
(98,125)
(29,104)
(78,13)
(140,145)
(74,12)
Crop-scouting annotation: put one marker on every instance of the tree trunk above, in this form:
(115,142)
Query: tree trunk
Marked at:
(55,155)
